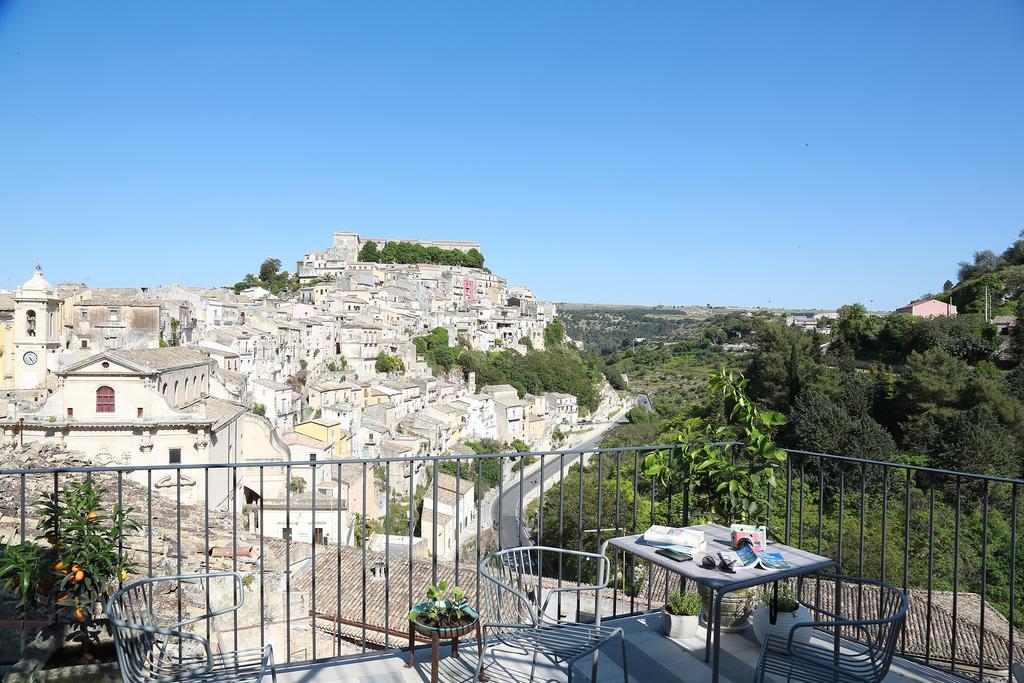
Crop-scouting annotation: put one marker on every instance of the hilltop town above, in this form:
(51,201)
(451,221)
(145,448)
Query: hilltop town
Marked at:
(342,364)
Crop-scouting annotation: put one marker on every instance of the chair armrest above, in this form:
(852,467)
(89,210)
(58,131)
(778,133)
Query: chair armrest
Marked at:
(216,613)
(856,625)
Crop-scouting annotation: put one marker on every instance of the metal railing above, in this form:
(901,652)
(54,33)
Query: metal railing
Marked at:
(889,521)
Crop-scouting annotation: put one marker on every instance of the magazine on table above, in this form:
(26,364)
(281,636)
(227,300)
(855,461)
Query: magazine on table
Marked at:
(746,556)
(682,539)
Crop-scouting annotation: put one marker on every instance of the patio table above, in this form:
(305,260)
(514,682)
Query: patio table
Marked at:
(718,537)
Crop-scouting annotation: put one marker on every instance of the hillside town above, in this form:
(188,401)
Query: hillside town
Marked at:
(329,371)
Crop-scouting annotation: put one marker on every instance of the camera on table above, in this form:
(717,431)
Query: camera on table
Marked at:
(747,534)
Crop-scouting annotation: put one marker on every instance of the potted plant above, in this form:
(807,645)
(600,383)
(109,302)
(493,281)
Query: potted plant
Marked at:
(789,612)
(679,616)
(737,607)
(69,575)
(445,613)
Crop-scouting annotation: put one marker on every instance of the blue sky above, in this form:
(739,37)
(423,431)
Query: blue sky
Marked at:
(792,154)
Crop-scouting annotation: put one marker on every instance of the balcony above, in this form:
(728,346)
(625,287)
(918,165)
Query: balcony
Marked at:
(338,612)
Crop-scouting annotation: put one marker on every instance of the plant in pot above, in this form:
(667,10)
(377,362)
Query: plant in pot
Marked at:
(728,465)
(445,613)
(679,616)
(789,612)
(69,579)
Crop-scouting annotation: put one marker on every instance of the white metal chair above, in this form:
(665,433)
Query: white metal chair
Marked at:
(517,611)
(155,649)
(867,616)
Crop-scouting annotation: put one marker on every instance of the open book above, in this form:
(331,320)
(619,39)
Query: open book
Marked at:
(686,539)
(746,556)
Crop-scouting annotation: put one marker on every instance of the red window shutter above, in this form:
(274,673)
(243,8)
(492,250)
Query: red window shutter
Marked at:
(104,400)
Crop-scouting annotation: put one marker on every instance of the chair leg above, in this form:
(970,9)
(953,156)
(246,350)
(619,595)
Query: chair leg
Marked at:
(625,666)
(533,665)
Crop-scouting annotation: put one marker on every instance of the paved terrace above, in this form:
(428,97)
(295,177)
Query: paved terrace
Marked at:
(652,657)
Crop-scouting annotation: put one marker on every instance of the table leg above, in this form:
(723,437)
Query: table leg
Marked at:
(455,648)
(412,644)
(709,621)
(773,607)
(718,636)
(435,642)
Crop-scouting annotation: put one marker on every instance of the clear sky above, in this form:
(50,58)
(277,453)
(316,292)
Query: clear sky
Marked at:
(752,153)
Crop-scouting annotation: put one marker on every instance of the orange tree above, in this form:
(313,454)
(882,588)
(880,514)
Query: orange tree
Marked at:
(82,566)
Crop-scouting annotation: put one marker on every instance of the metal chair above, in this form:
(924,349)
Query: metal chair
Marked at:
(517,608)
(155,649)
(864,618)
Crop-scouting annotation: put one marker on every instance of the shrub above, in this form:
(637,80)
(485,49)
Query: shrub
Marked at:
(787,601)
(684,604)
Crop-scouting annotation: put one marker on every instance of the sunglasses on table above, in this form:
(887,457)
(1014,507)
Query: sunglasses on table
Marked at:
(708,562)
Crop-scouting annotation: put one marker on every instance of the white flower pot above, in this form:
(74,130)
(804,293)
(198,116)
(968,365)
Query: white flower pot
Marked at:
(780,629)
(679,627)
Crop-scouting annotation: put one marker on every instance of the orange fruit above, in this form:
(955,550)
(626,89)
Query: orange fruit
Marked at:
(79,575)
(80,614)
(75,567)
(62,596)
(124,574)
(91,517)
(58,566)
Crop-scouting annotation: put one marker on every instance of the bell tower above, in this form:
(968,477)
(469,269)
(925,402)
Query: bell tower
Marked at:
(36,333)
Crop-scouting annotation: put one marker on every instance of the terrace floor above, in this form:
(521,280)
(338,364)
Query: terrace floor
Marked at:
(653,658)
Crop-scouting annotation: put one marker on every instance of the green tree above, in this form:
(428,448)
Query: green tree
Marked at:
(387,363)
(970,440)
(369,253)
(269,268)
(554,333)
(785,362)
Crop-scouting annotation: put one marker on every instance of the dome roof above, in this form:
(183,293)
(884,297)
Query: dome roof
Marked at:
(37,283)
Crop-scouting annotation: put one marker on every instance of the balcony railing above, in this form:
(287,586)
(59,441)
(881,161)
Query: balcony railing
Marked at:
(337,577)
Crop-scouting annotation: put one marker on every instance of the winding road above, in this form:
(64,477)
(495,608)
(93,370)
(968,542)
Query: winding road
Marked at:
(505,508)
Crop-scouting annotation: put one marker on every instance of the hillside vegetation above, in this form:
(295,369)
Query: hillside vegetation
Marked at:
(945,392)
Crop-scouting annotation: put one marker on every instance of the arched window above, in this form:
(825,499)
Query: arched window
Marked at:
(184,393)
(30,323)
(198,390)
(175,393)
(104,400)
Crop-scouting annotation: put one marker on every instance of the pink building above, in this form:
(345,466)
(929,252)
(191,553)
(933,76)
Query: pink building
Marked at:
(928,308)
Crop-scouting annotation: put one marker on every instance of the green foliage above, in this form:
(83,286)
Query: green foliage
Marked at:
(520,446)
(564,369)
(786,362)
(407,252)
(269,269)
(443,607)
(724,489)
(297,485)
(369,253)
(638,414)
(434,349)
(82,566)
(785,600)
(259,409)
(554,334)
(823,425)
(387,363)
(686,604)
(271,278)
